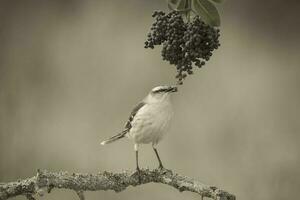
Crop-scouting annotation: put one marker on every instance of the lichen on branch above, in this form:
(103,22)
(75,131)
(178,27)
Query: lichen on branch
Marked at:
(106,181)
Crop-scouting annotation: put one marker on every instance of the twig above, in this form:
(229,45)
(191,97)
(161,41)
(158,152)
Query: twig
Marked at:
(108,181)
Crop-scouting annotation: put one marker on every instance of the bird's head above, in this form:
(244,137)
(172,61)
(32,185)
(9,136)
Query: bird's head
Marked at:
(161,93)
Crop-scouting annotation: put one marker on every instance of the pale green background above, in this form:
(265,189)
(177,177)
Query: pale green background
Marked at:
(71,71)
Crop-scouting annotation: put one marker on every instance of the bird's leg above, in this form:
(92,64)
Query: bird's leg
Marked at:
(137,160)
(138,171)
(158,158)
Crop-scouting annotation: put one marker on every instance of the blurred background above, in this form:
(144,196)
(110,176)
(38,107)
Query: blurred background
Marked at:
(71,71)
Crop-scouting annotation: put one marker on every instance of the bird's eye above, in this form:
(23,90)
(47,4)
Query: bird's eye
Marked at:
(159,91)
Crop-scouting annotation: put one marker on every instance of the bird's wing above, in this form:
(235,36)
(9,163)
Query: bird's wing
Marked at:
(132,115)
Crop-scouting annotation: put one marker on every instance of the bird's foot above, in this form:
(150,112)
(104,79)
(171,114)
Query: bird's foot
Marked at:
(137,174)
(161,167)
(163,170)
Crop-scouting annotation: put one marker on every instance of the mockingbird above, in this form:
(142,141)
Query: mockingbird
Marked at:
(148,120)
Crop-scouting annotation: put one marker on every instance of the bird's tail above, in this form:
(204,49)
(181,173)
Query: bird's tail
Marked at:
(114,138)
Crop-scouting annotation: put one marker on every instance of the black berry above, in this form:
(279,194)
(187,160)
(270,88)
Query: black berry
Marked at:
(183,44)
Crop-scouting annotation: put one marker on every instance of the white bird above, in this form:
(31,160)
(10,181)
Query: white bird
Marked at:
(148,120)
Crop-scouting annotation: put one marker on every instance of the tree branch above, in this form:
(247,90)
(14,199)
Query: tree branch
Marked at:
(106,181)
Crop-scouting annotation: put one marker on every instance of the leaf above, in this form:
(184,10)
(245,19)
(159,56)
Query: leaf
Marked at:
(178,5)
(174,1)
(218,1)
(182,5)
(207,11)
(172,4)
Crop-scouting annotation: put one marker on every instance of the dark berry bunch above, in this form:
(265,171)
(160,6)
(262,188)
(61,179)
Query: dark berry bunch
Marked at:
(183,44)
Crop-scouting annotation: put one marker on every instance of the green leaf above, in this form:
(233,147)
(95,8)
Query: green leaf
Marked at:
(207,11)
(182,5)
(217,1)
(177,4)
(173,1)
(172,4)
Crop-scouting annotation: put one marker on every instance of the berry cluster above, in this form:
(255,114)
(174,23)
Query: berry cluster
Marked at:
(184,44)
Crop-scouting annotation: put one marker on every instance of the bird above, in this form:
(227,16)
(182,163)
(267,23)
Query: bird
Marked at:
(148,121)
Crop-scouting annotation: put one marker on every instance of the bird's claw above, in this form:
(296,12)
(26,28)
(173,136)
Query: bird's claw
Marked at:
(137,173)
(163,170)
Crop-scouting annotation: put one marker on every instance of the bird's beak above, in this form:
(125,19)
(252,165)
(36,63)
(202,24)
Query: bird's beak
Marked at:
(172,89)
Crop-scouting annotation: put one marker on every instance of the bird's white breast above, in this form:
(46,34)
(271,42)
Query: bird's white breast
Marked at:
(151,122)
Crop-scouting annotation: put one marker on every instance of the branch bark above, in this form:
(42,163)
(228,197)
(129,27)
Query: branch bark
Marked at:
(107,181)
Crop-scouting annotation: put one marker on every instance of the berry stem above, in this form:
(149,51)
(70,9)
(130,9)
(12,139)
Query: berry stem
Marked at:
(188,16)
(188,13)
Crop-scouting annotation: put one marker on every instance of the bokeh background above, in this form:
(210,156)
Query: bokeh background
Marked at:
(72,70)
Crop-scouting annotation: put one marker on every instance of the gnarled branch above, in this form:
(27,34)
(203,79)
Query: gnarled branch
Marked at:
(106,181)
